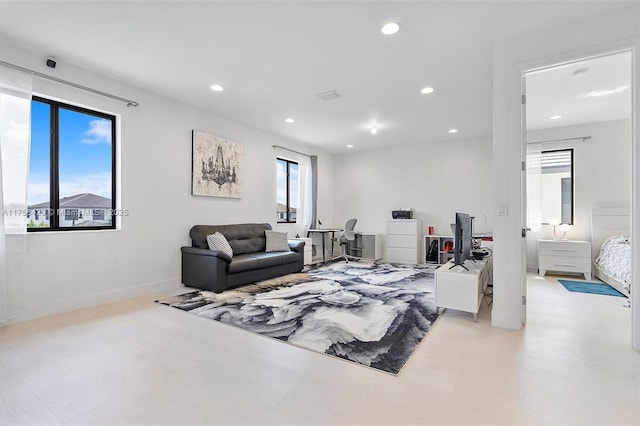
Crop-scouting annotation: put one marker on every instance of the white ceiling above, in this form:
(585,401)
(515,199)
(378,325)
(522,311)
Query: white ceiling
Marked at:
(273,57)
(597,89)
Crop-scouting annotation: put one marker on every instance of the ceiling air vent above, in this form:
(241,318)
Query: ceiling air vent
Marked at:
(328,95)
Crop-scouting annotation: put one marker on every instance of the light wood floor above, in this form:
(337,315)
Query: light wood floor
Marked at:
(137,362)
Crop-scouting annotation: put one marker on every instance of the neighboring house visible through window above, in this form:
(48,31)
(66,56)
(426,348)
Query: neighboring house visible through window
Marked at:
(286,190)
(71,168)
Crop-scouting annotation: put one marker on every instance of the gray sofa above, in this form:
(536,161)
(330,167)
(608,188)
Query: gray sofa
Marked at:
(215,271)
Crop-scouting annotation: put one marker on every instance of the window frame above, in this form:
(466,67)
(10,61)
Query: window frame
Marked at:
(573,182)
(54,151)
(288,200)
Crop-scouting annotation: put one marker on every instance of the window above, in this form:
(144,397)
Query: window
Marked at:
(557,185)
(71,168)
(286,190)
(98,214)
(71,214)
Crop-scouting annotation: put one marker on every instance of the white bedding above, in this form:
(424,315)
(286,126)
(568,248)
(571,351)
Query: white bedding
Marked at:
(615,259)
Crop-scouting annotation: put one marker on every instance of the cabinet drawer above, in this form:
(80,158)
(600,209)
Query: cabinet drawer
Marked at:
(402,227)
(564,248)
(403,255)
(402,241)
(565,264)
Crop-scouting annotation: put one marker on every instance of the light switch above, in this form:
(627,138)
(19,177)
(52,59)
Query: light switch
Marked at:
(503,209)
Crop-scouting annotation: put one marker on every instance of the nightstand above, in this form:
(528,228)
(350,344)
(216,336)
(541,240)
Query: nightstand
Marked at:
(564,256)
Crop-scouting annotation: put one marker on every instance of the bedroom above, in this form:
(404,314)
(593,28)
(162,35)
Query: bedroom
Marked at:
(578,118)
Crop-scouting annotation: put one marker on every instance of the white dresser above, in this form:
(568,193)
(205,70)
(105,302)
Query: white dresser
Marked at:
(308,249)
(462,289)
(403,242)
(564,256)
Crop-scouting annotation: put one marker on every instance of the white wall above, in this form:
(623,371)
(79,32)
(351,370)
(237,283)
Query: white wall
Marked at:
(601,34)
(602,174)
(435,180)
(72,270)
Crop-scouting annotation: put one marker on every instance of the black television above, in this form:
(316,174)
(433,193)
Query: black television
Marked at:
(462,239)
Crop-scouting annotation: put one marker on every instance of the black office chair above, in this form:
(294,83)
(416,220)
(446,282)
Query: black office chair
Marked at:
(345,239)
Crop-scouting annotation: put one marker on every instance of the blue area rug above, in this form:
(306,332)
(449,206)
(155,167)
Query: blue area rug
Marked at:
(589,287)
(371,313)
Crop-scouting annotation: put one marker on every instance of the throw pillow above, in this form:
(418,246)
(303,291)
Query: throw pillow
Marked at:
(276,241)
(218,242)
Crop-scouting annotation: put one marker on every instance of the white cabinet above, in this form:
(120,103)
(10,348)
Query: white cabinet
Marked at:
(403,242)
(462,289)
(366,246)
(308,249)
(564,256)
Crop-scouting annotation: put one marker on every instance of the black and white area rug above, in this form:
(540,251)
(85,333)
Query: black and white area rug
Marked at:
(371,313)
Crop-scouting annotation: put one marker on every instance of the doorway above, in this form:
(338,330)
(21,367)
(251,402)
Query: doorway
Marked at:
(579,142)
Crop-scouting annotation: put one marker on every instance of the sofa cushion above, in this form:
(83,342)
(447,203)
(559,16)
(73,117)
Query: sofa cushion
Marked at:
(217,242)
(276,241)
(266,260)
(289,257)
(243,238)
(250,261)
(243,262)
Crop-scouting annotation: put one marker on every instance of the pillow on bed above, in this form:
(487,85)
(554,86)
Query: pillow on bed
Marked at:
(276,241)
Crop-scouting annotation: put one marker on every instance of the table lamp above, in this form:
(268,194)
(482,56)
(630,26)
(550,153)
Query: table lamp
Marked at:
(554,221)
(564,228)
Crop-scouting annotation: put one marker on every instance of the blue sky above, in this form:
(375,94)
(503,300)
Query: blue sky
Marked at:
(85,154)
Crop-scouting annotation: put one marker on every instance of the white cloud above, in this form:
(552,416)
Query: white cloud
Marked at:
(100,132)
(98,184)
(38,191)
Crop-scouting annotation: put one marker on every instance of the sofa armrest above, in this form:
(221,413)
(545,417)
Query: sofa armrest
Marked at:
(297,246)
(205,269)
(205,252)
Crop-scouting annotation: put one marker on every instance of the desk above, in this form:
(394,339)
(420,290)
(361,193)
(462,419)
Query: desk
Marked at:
(323,233)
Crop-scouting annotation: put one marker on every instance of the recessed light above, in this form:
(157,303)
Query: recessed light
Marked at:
(290,120)
(217,88)
(426,90)
(390,28)
(555,117)
(374,131)
(596,93)
(349,146)
(580,72)
(453,131)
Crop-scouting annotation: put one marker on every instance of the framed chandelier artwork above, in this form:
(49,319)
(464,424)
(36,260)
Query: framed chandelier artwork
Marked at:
(216,169)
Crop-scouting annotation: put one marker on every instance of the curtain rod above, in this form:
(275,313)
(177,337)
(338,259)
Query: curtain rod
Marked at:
(69,83)
(584,138)
(291,150)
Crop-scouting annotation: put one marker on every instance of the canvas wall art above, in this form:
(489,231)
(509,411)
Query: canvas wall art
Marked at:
(217,166)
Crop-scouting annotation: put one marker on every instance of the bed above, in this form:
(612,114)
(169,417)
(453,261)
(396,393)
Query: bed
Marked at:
(611,243)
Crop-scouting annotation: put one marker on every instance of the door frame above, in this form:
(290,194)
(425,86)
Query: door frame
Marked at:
(518,128)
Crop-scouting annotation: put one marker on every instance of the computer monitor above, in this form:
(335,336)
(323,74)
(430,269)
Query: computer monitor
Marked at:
(462,239)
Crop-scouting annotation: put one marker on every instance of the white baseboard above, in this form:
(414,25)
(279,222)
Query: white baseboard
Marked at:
(73,304)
